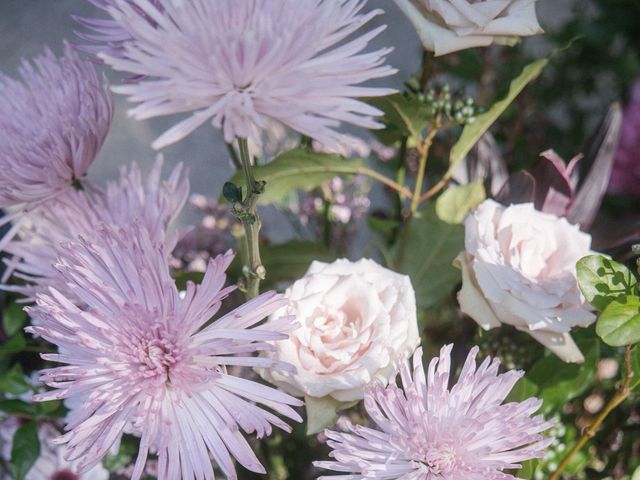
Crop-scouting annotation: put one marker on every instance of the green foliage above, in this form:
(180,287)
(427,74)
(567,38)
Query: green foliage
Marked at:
(25,450)
(427,246)
(13,381)
(619,323)
(299,169)
(603,280)
(126,454)
(182,278)
(523,389)
(566,436)
(16,344)
(13,319)
(232,193)
(18,407)
(285,262)
(37,411)
(321,413)
(289,261)
(454,204)
(560,382)
(404,116)
(528,469)
(474,131)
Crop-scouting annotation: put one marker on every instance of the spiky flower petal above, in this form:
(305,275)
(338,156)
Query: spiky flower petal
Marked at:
(155,204)
(240,63)
(428,431)
(141,355)
(53,123)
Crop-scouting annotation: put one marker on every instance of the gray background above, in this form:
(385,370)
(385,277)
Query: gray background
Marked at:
(26,26)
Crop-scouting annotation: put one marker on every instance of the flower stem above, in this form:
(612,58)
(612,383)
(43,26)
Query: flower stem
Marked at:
(423,148)
(251,221)
(620,396)
(401,189)
(234,156)
(438,186)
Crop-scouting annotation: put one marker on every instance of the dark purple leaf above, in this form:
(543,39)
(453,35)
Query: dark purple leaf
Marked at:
(596,170)
(519,188)
(554,189)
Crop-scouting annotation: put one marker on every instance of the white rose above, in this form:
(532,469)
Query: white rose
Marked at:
(357,321)
(519,268)
(446,26)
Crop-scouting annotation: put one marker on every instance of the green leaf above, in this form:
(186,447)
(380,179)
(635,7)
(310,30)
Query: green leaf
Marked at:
(426,248)
(323,412)
(299,169)
(602,280)
(382,225)
(472,132)
(232,193)
(636,474)
(528,469)
(25,450)
(404,115)
(13,319)
(454,204)
(522,390)
(289,261)
(560,382)
(14,345)
(619,323)
(50,408)
(182,278)
(13,381)
(18,407)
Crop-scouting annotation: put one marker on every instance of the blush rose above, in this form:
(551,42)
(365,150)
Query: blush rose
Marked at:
(358,319)
(446,26)
(519,268)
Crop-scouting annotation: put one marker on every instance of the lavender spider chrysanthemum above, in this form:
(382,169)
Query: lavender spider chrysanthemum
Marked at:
(141,355)
(239,64)
(106,34)
(155,204)
(53,124)
(428,431)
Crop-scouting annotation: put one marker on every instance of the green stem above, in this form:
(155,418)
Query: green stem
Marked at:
(234,156)
(588,433)
(423,149)
(401,189)
(251,222)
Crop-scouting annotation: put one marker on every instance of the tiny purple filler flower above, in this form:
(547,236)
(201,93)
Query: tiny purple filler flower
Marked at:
(141,355)
(53,124)
(428,431)
(240,63)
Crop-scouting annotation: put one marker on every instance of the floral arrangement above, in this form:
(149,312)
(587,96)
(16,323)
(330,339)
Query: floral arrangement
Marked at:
(445,310)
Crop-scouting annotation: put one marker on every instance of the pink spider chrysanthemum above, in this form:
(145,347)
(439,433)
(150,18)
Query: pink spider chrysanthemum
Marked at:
(142,355)
(240,63)
(155,204)
(428,431)
(53,124)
